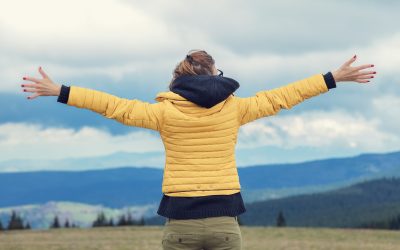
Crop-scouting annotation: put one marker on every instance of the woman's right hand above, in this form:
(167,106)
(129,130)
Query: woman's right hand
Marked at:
(346,73)
(41,87)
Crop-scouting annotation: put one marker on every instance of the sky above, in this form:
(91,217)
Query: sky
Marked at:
(129,49)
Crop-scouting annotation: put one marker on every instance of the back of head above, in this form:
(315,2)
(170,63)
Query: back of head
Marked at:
(196,62)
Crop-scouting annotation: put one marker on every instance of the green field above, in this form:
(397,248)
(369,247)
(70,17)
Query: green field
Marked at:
(149,237)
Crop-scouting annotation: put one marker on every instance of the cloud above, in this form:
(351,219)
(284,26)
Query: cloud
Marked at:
(97,30)
(303,135)
(105,39)
(33,141)
(131,47)
(318,129)
(386,108)
(277,27)
(121,40)
(274,67)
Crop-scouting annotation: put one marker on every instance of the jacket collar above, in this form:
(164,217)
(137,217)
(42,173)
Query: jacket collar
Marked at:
(203,90)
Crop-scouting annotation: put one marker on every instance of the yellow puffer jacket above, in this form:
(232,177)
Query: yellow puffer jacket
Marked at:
(199,142)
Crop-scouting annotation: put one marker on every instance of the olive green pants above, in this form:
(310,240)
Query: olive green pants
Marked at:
(212,233)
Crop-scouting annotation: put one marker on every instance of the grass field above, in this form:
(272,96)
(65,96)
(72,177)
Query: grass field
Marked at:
(149,237)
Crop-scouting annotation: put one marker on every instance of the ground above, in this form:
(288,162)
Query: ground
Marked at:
(149,237)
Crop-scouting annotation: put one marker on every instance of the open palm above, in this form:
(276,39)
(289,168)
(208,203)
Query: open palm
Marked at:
(346,73)
(41,87)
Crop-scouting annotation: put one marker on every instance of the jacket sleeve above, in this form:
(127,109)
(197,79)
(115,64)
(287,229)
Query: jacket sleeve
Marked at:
(129,112)
(270,102)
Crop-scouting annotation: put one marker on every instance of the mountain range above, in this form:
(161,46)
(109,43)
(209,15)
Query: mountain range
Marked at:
(140,187)
(352,206)
(132,186)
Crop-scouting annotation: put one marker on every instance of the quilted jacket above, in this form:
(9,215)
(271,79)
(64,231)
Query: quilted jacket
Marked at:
(198,121)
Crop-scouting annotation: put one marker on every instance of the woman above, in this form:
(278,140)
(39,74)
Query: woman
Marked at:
(198,120)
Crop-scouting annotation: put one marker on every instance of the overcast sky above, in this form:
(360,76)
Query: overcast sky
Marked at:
(129,49)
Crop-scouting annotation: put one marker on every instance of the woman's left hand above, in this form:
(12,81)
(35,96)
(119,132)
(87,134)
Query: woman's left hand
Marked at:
(346,73)
(41,87)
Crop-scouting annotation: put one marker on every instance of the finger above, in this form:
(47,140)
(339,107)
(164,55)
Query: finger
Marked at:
(349,62)
(365,66)
(365,73)
(29,85)
(33,79)
(29,90)
(361,80)
(33,96)
(365,77)
(41,71)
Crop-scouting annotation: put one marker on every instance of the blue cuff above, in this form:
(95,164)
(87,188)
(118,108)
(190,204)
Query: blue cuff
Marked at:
(64,94)
(329,80)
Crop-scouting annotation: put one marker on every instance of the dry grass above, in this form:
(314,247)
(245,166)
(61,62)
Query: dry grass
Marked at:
(149,237)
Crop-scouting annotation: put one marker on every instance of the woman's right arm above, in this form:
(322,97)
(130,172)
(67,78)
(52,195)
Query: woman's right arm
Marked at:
(131,112)
(270,102)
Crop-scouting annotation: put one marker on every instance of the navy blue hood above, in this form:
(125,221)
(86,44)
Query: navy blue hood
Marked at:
(204,90)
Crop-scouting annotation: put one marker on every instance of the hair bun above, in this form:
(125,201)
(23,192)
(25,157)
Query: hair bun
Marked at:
(189,58)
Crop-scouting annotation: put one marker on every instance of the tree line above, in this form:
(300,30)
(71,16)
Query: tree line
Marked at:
(372,203)
(392,223)
(17,223)
(123,220)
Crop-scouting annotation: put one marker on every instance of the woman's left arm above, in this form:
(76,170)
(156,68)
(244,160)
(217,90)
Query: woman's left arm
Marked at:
(270,102)
(129,112)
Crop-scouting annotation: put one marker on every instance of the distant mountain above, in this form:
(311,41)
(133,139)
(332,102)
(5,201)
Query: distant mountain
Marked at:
(132,186)
(352,206)
(320,172)
(375,200)
(280,180)
(112,188)
(42,215)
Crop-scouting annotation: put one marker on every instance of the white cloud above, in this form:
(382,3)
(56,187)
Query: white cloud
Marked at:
(273,67)
(121,40)
(117,38)
(79,38)
(27,146)
(35,142)
(85,28)
(331,129)
(387,108)
(334,129)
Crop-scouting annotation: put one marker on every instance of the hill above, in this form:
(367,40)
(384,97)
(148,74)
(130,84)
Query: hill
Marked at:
(375,200)
(133,186)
